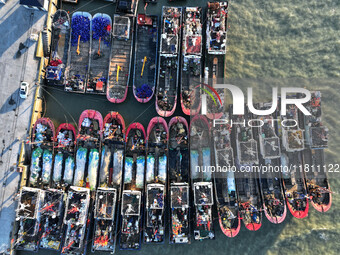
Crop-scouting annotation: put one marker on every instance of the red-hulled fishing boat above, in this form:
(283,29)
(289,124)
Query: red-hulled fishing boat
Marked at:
(133,188)
(271,186)
(225,188)
(179,181)
(42,142)
(201,177)
(294,185)
(191,63)
(293,143)
(316,136)
(121,58)
(156,180)
(89,137)
(216,46)
(168,61)
(110,179)
(249,195)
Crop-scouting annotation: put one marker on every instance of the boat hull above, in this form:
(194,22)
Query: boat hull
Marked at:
(76,73)
(145,71)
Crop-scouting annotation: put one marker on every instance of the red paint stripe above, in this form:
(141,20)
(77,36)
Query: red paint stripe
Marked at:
(213,90)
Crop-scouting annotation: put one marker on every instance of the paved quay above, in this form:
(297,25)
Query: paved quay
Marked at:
(17,24)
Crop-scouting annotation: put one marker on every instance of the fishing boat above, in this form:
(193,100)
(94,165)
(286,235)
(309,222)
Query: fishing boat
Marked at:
(113,147)
(64,160)
(316,133)
(316,136)
(216,46)
(28,219)
(120,58)
(168,62)
(318,188)
(271,186)
(224,180)
(55,70)
(128,7)
(291,161)
(79,52)
(201,177)
(191,63)
(104,218)
(294,185)
(179,180)
(88,149)
(249,195)
(76,221)
(42,143)
(246,145)
(156,180)
(292,134)
(100,54)
(133,188)
(52,212)
(110,180)
(145,71)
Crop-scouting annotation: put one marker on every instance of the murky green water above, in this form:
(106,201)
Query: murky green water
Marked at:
(266,40)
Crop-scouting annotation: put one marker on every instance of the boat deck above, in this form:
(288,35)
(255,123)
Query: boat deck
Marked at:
(78,64)
(121,49)
(146,48)
(167,83)
(60,41)
(99,68)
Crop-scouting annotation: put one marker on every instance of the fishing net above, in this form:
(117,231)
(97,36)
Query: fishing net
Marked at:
(140,172)
(150,168)
(35,166)
(101,28)
(128,170)
(105,167)
(47,166)
(80,28)
(80,167)
(58,167)
(118,159)
(93,168)
(69,168)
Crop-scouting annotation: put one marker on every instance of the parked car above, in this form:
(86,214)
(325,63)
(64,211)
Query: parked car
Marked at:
(24,89)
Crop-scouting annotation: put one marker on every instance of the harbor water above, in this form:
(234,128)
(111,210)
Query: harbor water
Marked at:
(283,43)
